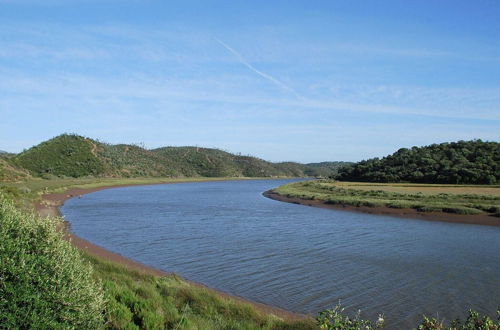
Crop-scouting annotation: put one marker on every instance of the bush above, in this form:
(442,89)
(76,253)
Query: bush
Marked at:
(44,283)
(474,321)
(334,319)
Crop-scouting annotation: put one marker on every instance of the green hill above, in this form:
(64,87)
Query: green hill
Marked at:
(76,156)
(10,173)
(65,155)
(462,162)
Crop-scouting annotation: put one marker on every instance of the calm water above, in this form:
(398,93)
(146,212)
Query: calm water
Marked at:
(228,236)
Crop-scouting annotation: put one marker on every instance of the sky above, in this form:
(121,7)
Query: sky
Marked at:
(303,81)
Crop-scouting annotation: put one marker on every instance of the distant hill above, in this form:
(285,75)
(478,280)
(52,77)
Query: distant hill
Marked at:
(325,169)
(462,162)
(76,156)
(6,154)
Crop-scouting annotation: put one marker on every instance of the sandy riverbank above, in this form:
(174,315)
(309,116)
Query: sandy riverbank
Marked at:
(49,206)
(478,219)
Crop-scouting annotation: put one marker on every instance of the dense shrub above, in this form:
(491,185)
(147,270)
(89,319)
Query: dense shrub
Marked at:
(66,155)
(44,283)
(463,162)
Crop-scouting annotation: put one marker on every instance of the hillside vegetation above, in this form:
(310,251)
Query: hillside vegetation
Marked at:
(75,156)
(463,162)
(10,173)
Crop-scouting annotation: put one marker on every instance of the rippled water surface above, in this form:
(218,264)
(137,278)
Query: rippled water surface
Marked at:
(228,236)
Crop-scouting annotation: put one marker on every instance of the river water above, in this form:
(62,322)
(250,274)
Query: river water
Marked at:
(227,236)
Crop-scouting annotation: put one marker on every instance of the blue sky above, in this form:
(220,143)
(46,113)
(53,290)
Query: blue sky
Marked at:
(282,80)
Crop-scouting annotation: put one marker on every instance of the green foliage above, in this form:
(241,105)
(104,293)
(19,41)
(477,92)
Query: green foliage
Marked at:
(450,203)
(139,301)
(463,162)
(474,321)
(66,155)
(76,156)
(44,283)
(11,173)
(324,169)
(335,319)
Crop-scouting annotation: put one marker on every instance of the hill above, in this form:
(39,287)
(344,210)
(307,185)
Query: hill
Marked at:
(10,173)
(462,162)
(324,169)
(76,156)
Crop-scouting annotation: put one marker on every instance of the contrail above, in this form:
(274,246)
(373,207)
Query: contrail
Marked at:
(243,61)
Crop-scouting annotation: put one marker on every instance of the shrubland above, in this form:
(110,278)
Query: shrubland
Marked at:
(70,155)
(462,162)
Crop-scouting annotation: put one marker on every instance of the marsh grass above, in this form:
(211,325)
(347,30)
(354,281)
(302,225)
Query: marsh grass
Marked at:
(447,199)
(140,301)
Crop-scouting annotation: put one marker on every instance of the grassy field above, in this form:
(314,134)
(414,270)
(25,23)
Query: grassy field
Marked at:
(458,199)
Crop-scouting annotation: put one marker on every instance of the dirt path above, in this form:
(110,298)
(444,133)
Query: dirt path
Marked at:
(49,206)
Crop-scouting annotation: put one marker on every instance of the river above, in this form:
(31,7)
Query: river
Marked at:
(227,236)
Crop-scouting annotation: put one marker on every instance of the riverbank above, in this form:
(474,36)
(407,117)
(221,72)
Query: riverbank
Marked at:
(379,202)
(49,206)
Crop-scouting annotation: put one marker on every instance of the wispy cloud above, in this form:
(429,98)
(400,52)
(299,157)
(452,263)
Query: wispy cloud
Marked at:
(264,75)
(175,85)
(157,91)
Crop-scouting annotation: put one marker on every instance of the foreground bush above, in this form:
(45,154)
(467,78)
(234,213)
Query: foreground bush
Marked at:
(474,321)
(335,319)
(44,283)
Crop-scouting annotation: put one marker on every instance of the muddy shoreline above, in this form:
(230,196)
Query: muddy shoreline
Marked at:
(49,206)
(479,219)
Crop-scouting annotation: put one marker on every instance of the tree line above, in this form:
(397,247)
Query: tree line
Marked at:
(462,162)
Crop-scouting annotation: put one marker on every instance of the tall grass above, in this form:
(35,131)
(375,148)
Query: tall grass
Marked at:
(139,301)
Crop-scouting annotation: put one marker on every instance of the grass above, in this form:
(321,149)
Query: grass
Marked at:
(407,188)
(139,301)
(457,199)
